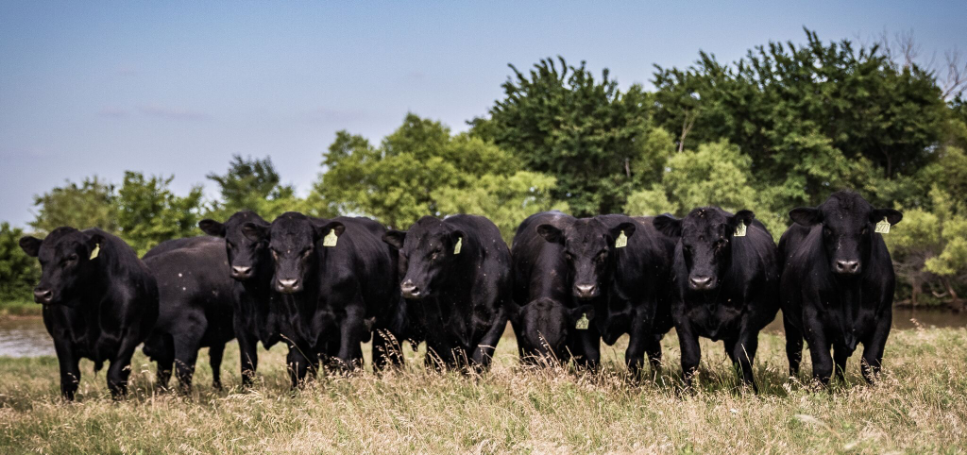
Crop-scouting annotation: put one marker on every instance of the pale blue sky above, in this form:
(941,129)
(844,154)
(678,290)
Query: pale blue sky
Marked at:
(178,87)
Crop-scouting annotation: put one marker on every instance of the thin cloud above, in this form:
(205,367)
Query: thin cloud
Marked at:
(331,115)
(173,113)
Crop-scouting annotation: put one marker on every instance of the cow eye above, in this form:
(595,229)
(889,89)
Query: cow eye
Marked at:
(306,253)
(827,232)
(601,256)
(275,255)
(72,257)
(569,257)
(865,231)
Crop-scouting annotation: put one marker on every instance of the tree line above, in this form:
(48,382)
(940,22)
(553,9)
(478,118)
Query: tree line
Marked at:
(782,127)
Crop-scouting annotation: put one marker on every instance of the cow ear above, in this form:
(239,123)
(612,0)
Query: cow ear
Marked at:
(95,241)
(743,216)
(395,239)
(550,233)
(254,232)
(212,227)
(668,225)
(335,227)
(806,216)
(456,241)
(627,228)
(30,245)
(893,216)
(581,311)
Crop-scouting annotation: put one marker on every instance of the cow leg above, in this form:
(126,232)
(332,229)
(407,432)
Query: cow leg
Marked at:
(353,332)
(386,349)
(120,369)
(299,365)
(635,355)
(70,372)
(248,353)
(590,349)
(653,348)
(186,354)
(794,341)
(743,354)
(873,350)
(484,352)
(691,353)
(819,353)
(215,353)
(166,362)
(840,356)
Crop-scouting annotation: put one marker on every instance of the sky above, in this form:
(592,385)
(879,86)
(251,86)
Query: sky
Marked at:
(177,88)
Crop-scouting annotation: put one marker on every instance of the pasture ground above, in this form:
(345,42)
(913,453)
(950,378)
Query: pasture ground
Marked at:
(919,406)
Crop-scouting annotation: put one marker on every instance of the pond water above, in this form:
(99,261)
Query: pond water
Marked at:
(27,337)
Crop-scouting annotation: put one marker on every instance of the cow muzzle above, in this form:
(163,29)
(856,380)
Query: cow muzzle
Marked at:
(289,286)
(846,267)
(43,295)
(585,291)
(411,291)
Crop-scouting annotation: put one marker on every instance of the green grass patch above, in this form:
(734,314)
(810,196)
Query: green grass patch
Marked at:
(19,308)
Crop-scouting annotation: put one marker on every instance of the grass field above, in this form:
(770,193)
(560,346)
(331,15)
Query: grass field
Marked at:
(919,406)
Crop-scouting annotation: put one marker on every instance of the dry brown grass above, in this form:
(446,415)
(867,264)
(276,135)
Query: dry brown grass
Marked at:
(919,406)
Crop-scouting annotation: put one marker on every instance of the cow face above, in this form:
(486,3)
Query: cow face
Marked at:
(848,223)
(244,254)
(292,240)
(589,248)
(427,251)
(543,326)
(705,237)
(66,262)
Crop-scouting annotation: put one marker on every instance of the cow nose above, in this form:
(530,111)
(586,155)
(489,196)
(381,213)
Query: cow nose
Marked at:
(241,272)
(42,295)
(700,282)
(410,290)
(289,286)
(584,291)
(847,267)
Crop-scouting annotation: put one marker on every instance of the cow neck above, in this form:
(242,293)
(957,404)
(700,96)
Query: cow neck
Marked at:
(95,301)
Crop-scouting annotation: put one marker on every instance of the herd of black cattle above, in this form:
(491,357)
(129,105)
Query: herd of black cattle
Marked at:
(326,286)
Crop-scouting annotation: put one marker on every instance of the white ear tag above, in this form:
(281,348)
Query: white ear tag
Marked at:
(97,250)
(883,227)
(740,230)
(582,323)
(330,239)
(621,241)
(458,246)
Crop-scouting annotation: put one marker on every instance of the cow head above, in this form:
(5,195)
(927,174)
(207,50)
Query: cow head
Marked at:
(848,228)
(245,255)
(68,262)
(427,252)
(292,239)
(543,325)
(705,237)
(589,248)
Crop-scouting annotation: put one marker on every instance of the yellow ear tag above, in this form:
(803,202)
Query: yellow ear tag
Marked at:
(96,251)
(740,230)
(582,323)
(456,248)
(883,227)
(330,239)
(620,242)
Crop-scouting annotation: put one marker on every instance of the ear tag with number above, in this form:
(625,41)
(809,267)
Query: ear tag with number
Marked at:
(740,230)
(582,323)
(621,241)
(96,251)
(330,239)
(456,248)
(883,227)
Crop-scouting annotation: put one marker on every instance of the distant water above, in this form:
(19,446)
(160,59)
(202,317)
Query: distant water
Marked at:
(27,337)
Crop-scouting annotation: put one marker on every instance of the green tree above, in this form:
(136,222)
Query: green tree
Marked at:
(90,204)
(253,184)
(149,213)
(504,199)
(18,272)
(585,132)
(398,182)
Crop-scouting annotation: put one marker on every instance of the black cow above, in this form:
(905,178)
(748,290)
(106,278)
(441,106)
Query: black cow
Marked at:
(250,266)
(619,265)
(726,284)
(100,302)
(543,312)
(837,284)
(333,281)
(456,281)
(196,308)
